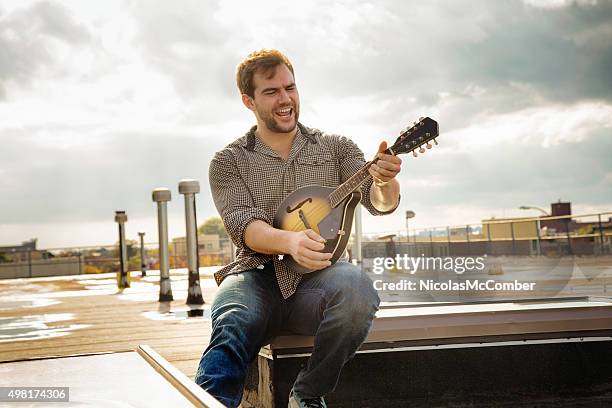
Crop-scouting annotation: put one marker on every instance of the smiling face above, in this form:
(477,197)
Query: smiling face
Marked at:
(275,101)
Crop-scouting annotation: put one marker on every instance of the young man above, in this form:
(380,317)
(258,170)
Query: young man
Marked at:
(258,294)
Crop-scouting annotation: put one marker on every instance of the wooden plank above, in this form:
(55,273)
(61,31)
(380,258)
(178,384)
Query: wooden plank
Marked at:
(184,385)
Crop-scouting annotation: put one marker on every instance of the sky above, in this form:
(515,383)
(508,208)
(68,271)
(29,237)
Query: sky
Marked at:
(101,102)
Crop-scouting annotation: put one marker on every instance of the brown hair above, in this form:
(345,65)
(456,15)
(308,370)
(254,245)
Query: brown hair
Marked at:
(264,61)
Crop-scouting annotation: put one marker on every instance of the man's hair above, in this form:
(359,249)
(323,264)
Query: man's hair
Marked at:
(264,61)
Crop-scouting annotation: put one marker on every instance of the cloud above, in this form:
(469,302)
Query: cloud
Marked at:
(31,40)
(189,45)
(552,4)
(427,49)
(90,180)
(508,174)
(544,127)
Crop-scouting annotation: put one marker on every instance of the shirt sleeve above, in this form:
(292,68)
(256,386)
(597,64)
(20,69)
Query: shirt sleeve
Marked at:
(351,159)
(232,197)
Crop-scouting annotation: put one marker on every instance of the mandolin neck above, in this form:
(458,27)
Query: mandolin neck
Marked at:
(350,185)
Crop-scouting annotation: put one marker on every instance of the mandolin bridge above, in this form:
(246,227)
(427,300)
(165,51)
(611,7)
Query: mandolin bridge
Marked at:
(304,220)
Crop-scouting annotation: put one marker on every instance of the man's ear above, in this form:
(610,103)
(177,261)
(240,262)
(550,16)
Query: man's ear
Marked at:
(248,102)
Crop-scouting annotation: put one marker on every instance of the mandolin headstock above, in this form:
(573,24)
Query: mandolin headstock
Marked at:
(418,136)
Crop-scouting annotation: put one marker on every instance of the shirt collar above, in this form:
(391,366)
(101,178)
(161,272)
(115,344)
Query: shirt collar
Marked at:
(250,138)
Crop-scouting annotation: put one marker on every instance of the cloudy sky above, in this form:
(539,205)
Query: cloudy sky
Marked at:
(100,102)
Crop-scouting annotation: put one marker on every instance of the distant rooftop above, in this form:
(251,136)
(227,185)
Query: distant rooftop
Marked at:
(24,247)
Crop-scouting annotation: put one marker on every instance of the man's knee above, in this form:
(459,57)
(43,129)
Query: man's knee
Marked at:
(351,281)
(361,306)
(239,322)
(354,292)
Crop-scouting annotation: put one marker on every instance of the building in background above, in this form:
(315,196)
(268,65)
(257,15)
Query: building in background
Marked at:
(207,244)
(24,252)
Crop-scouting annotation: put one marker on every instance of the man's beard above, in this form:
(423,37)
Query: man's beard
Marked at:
(274,126)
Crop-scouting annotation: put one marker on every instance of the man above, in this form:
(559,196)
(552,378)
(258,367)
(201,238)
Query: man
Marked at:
(258,295)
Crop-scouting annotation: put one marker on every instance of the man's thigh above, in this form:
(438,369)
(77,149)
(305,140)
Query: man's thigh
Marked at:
(318,290)
(250,299)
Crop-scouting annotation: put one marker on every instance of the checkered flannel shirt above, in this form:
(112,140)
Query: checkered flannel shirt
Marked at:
(249,180)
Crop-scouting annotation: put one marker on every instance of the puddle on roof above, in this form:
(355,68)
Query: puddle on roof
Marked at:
(36,327)
(141,289)
(194,313)
(20,302)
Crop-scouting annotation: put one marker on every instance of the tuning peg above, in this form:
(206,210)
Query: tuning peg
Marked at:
(428,145)
(414,153)
(421,150)
(427,134)
(435,142)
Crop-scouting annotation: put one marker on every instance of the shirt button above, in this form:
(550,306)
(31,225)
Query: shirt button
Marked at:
(260,266)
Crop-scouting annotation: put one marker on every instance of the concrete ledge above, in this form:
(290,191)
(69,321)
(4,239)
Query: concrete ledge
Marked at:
(473,321)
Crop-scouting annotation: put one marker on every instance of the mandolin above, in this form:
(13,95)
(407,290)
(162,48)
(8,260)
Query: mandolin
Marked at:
(329,211)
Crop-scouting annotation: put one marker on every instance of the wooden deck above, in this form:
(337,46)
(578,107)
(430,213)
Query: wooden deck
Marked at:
(72,315)
(86,314)
(61,316)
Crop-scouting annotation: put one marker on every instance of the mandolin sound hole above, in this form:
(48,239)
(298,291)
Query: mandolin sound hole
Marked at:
(300,204)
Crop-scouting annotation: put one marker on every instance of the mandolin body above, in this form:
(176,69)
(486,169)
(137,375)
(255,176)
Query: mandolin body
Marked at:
(310,208)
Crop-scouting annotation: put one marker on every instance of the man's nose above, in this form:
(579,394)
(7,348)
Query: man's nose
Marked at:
(284,96)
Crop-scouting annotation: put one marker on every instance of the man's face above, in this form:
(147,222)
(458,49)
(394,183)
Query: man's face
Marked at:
(276,101)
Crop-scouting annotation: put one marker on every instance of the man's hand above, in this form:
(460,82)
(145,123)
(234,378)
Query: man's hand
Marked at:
(305,247)
(386,168)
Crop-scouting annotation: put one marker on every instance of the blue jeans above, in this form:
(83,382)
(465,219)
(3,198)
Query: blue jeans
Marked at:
(336,305)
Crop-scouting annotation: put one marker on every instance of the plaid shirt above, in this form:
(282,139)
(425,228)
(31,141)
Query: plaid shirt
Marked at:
(249,180)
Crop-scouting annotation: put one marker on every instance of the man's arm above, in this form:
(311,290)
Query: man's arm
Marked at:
(232,198)
(385,190)
(385,197)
